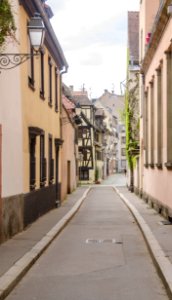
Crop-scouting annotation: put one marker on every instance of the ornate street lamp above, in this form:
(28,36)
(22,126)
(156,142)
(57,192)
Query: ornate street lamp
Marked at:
(36,31)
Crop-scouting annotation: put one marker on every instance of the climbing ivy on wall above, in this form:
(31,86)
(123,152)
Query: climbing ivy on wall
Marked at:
(7,24)
(132,126)
(132,118)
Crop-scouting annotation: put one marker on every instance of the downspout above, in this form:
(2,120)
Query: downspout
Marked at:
(63,71)
(142,116)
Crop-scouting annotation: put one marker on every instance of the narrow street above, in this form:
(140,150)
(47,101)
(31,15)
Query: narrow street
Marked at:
(100,255)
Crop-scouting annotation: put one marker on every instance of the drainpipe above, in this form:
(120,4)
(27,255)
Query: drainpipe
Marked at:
(63,71)
(142,116)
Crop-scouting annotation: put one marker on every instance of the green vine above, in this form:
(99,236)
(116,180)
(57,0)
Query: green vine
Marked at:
(7,24)
(132,120)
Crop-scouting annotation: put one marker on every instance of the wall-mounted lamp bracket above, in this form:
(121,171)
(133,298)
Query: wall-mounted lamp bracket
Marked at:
(11,60)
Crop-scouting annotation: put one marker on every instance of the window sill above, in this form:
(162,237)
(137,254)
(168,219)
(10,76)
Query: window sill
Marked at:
(32,187)
(42,95)
(168,165)
(31,83)
(159,165)
(152,165)
(51,181)
(42,184)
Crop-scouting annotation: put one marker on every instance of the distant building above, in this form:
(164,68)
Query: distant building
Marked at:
(132,102)
(69,161)
(86,134)
(114,105)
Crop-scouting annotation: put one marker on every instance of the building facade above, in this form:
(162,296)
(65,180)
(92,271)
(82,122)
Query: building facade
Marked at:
(132,103)
(86,133)
(114,106)
(70,148)
(31,130)
(156,108)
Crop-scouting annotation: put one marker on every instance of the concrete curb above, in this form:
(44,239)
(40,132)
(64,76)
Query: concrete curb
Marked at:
(9,280)
(161,261)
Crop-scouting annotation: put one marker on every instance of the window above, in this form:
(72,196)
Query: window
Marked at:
(99,155)
(51,160)
(33,133)
(32,143)
(83,174)
(152,123)
(42,161)
(123,139)
(123,128)
(123,163)
(145,127)
(96,136)
(168,164)
(56,90)
(50,81)
(159,117)
(123,152)
(141,44)
(42,88)
(31,78)
(80,132)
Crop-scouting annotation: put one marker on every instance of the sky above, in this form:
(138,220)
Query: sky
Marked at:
(93,36)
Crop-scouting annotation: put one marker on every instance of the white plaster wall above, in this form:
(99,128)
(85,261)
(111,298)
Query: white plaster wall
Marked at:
(11,120)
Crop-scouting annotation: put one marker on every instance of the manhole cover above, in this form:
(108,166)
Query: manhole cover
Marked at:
(102,241)
(91,241)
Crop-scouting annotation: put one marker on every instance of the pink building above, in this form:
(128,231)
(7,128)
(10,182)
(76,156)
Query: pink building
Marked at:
(156,104)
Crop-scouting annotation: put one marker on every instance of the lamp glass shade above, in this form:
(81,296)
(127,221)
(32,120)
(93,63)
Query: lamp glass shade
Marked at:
(36,32)
(36,38)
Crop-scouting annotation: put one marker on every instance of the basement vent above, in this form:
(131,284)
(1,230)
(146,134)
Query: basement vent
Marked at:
(165,222)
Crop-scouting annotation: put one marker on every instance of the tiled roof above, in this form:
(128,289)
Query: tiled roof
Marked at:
(133,34)
(81,99)
(67,103)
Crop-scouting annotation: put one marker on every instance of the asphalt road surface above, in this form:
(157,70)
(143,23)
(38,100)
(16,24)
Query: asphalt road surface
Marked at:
(100,255)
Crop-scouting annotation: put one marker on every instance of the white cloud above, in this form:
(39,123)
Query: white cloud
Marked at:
(93,36)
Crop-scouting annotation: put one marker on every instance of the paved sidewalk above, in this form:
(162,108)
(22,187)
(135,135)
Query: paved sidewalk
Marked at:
(19,253)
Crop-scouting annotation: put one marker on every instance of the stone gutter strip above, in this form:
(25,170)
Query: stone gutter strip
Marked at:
(10,279)
(161,261)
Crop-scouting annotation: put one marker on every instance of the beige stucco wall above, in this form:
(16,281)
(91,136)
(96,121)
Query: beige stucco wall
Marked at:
(10,118)
(36,111)
(68,154)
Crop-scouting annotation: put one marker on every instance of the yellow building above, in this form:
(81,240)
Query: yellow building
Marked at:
(37,115)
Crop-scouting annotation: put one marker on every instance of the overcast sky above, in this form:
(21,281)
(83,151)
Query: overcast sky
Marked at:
(93,36)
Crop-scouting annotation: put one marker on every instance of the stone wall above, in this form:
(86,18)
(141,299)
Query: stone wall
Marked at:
(12,216)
